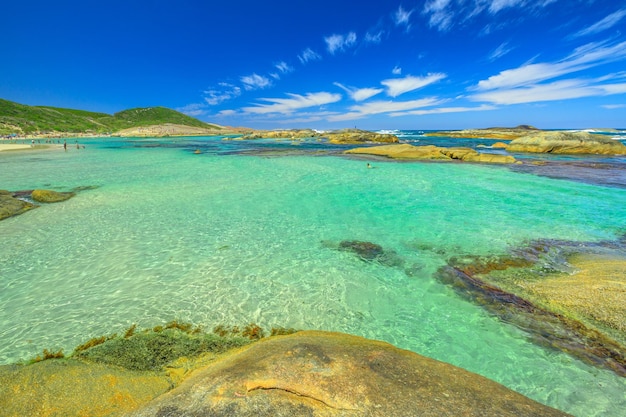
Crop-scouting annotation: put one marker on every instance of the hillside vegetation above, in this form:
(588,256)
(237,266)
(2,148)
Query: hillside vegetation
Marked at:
(22,119)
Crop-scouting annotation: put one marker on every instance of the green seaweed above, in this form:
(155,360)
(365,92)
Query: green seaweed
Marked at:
(49,355)
(151,350)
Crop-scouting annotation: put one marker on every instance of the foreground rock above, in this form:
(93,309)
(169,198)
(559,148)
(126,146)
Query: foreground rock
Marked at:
(431,152)
(567,143)
(330,374)
(11,206)
(67,388)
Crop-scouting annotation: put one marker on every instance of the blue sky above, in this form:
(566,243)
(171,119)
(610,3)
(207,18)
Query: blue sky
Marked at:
(433,64)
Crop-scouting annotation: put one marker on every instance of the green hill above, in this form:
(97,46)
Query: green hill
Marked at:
(21,119)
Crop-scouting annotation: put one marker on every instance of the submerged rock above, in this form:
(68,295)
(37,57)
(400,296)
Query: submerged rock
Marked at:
(369,251)
(49,196)
(11,206)
(330,374)
(559,142)
(431,152)
(580,312)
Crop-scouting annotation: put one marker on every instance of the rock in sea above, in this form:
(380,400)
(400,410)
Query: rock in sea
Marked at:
(49,196)
(11,206)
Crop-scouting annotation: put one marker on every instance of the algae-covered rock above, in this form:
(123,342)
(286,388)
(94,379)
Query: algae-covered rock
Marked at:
(316,373)
(348,136)
(49,196)
(560,142)
(11,206)
(66,388)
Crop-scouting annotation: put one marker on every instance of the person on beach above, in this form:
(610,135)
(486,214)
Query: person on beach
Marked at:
(65,145)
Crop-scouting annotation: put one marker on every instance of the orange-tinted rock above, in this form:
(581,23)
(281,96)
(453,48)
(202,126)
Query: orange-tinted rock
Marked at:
(330,374)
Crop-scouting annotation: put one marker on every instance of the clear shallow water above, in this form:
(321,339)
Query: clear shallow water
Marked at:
(226,238)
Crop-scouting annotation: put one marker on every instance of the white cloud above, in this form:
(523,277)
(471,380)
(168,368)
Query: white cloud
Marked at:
(497,5)
(284,67)
(255,82)
(557,90)
(401,17)
(396,70)
(295,102)
(225,92)
(379,107)
(359,94)
(441,110)
(374,37)
(309,55)
(336,42)
(582,58)
(193,110)
(500,51)
(440,16)
(604,24)
(398,86)
(613,106)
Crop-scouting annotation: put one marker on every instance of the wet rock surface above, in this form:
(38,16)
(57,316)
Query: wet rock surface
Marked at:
(540,289)
(12,206)
(330,374)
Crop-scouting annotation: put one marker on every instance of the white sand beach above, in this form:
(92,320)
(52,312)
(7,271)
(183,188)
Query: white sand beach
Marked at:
(13,146)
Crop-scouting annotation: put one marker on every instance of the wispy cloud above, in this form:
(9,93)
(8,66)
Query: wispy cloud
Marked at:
(224,92)
(557,90)
(396,70)
(359,94)
(398,86)
(604,24)
(309,55)
(533,82)
(613,106)
(582,58)
(500,51)
(255,82)
(336,42)
(293,103)
(440,16)
(442,110)
(374,37)
(402,17)
(283,67)
(380,107)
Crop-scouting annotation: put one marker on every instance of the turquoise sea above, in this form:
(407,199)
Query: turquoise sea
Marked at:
(247,231)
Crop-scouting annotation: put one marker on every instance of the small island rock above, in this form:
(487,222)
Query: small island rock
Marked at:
(431,152)
(560,142)
(49,196)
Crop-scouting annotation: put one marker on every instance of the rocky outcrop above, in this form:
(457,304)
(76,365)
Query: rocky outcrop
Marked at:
(49,196)
(330,374)
(507,133)
(346,136)
(431,152)
(11,206)
(352,136)
(567,143)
